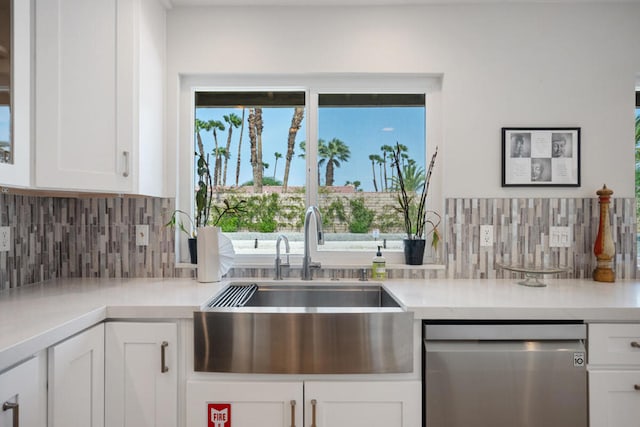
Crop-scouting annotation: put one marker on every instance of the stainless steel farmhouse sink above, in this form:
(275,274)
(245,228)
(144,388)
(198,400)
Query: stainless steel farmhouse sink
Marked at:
(303,329)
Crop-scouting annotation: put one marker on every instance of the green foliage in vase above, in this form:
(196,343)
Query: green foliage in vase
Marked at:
(412,204)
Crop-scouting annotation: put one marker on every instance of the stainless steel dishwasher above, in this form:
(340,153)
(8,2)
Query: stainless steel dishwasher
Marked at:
(505,375)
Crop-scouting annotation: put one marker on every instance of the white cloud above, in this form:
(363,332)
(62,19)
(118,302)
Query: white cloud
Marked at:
(388,129)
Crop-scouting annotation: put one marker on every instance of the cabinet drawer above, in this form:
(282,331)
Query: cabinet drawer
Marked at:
(614,344)
(614,398)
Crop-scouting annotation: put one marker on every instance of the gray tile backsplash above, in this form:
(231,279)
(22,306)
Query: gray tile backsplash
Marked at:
(95,237)
(521,235)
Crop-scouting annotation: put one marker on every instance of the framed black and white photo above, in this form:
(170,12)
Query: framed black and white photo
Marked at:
(541,157)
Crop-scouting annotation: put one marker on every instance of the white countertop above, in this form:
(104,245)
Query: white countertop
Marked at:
(36,316)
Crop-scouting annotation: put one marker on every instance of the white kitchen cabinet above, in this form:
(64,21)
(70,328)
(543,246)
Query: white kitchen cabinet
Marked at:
(100,95)
(141,382)
(76,380)
(264,404)
(334,403)
(363,404)
(23,394)
(614,375)
(18,173)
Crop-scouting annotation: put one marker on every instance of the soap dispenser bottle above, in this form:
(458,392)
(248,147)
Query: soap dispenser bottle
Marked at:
(378,267)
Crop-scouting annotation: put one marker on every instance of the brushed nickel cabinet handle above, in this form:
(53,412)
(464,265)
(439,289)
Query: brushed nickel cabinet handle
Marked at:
(8,406)
(635,344)
(293,413)
(313,412)
(636,387)
(126,164)
(163,366)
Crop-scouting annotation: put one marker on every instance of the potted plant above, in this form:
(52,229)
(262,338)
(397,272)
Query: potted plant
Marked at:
(203,206)
(190,232)
(412,206)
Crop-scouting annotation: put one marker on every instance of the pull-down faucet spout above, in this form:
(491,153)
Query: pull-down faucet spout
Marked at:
(279,264)
(307,264)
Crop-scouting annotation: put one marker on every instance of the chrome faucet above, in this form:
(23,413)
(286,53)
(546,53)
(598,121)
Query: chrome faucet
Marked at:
(307,264)
(279,264)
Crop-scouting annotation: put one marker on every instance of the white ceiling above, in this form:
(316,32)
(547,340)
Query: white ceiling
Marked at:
(178,3)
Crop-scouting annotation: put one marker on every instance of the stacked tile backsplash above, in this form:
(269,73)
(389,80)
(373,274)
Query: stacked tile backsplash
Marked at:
(95,237)
(84,237)
(521,235)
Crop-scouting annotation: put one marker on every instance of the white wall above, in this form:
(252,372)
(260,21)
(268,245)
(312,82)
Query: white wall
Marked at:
(502,65)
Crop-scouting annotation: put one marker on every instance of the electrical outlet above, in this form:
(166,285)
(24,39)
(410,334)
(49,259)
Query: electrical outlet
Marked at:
(142,235)
(5,239)
(486,235)
(559,237)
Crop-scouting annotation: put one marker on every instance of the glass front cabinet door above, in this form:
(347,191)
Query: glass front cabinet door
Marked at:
(15,92)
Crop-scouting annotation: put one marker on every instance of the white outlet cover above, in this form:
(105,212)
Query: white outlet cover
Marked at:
(559,237)
(142,235)
(486,235)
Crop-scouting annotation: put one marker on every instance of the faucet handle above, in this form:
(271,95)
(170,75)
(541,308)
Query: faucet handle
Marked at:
(316,265)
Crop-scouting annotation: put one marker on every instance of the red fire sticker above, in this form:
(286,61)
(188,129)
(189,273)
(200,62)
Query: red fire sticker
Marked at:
(219,414)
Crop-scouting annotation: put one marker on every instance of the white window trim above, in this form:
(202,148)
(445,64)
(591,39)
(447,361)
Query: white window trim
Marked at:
(313,85)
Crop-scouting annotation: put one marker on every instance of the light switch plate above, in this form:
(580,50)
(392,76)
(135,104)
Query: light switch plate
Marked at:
(559,237)
(486,235)
(142,235)
(5,239)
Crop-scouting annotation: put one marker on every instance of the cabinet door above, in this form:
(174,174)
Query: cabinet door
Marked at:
(20,395)
(363,404)
(18,172)
(76,380)
(614,398)
(84,94)
(141,382)
(250,404)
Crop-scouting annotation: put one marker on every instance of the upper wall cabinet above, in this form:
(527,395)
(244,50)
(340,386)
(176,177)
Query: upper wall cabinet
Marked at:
(15,92)
(100,95)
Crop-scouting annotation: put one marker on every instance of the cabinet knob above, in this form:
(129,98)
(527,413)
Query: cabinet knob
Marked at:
(635,344)
(636,387)
(8,406)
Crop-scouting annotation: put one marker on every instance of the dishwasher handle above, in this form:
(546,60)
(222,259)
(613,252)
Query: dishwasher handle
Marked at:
(505,332)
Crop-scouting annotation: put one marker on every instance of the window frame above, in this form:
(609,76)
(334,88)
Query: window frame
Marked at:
(312,85)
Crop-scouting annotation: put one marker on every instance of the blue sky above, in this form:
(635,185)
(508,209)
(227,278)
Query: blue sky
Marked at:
(363,130)
(5,121)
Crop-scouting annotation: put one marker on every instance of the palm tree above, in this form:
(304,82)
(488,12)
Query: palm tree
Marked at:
(385,149)
(380,164)
(322,156)
(296,121)
(200,125)
(374,159)
(335,151)
(275,166)
(219,153)
(255,139)
(215,125)
(413,176)
(234,122)
(239,147)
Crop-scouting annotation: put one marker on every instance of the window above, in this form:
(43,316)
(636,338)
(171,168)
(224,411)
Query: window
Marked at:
(282,147)
(5,82)
(357,134)
(638,170)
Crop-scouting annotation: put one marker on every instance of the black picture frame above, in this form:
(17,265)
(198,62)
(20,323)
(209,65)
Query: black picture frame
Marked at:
(541,157)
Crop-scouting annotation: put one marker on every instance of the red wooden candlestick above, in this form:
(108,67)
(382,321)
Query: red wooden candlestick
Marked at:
(604,248)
